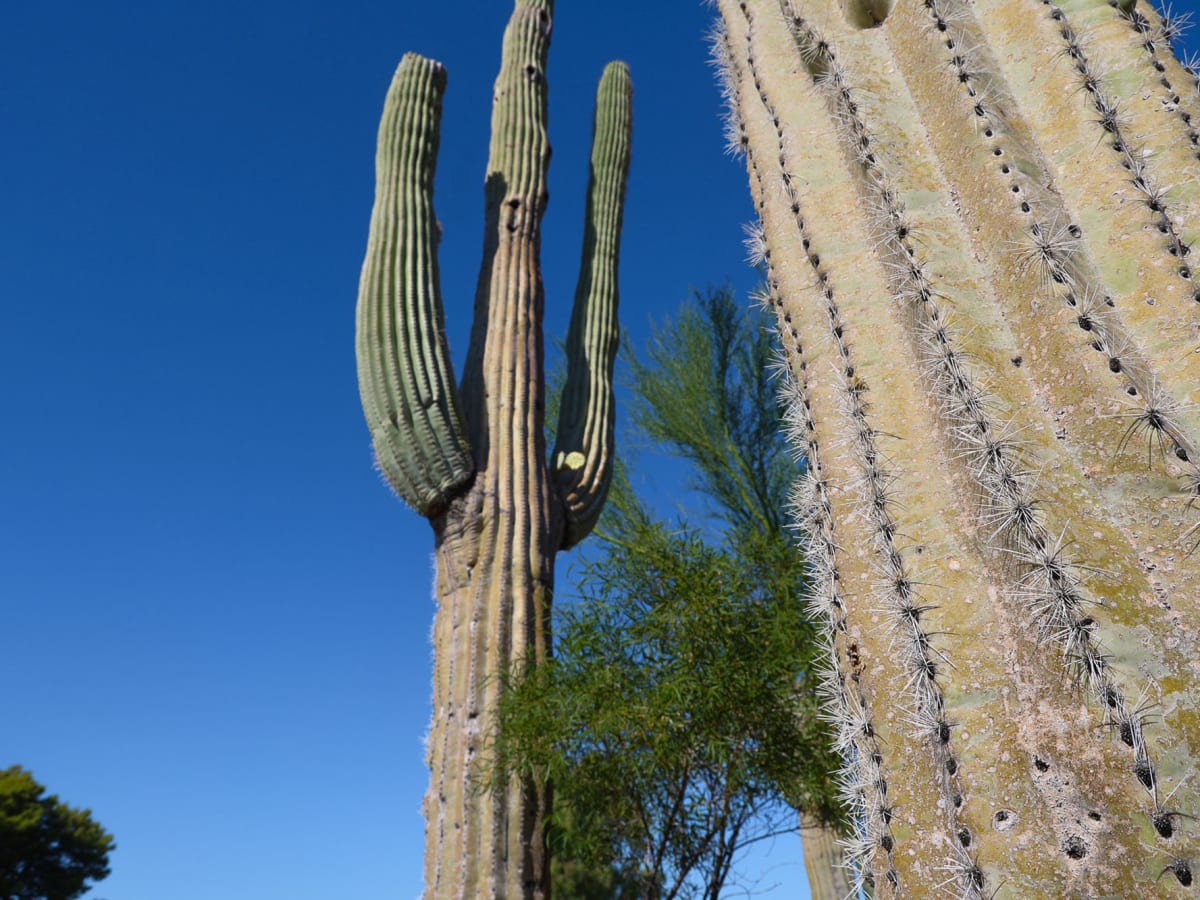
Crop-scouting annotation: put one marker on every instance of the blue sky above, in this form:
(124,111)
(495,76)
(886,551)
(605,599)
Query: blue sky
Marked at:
(216,617)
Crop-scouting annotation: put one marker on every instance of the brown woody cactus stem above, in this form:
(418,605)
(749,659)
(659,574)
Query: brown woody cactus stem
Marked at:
(474,459)
(977,222)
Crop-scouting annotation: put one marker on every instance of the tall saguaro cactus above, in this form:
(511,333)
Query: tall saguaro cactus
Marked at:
(473,458)
(977,218)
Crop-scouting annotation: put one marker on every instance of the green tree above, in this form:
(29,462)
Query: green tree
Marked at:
(707,395)
(677,719)
(48,850)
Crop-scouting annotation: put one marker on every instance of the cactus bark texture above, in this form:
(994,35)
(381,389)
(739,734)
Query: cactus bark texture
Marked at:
(977,221)
(472,458)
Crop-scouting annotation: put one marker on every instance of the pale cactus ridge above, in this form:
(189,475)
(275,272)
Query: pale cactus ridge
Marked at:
(472,457)
(976,222)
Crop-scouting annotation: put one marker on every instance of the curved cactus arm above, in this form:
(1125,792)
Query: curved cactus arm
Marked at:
(582,459)
(404,372)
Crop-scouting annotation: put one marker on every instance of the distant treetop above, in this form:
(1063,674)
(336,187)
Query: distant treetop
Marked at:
(48,850)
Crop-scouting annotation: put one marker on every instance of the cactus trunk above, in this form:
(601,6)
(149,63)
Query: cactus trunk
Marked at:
(473,459)
(976,220)
(828,877)
(494,582)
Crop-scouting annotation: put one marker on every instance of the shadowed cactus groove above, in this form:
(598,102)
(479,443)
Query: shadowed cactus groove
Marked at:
(472,457)
(977,220)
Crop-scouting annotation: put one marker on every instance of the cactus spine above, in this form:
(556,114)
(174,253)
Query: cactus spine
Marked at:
(977,220)
(473,458)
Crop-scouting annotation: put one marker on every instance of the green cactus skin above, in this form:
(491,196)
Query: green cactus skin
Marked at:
(976,219)
(828,877)
(473,459)
(583,448)
(404,373)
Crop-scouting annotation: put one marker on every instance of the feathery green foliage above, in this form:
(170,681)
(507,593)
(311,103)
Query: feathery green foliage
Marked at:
(676,720)
(705,395)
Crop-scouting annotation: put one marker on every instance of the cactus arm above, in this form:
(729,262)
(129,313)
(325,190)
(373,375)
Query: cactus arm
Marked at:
(581,463)
(405,378)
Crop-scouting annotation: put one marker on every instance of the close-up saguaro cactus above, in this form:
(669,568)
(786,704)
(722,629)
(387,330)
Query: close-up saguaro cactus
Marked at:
(472,458)
(977,221)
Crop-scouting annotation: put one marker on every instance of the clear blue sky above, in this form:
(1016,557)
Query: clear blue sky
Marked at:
(215,616)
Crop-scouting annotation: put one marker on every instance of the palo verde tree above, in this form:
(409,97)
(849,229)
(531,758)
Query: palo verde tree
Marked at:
(669,719)
(977,220)
(472,458)
(679,718)
(705,395)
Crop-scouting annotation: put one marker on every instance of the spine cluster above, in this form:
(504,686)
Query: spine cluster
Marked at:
(1157,39)
(1134,159)
(1152,414)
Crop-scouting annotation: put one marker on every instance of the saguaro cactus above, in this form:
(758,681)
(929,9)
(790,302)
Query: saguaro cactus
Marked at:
(977,219)
(473,459)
